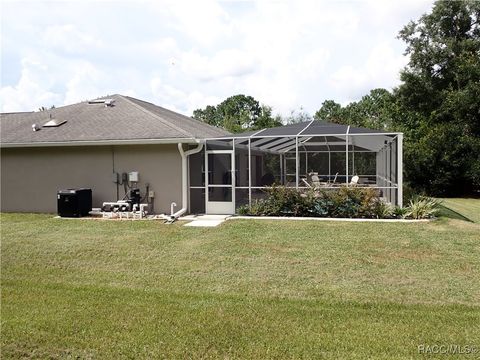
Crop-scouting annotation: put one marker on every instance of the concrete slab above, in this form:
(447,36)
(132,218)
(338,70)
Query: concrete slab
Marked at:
(204,223)
(206,220)
(212,217)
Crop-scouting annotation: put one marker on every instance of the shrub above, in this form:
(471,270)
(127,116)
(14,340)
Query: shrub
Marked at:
(400,212)
(282,201)
(244,210)
(345,201)
(422,207)
(383,210)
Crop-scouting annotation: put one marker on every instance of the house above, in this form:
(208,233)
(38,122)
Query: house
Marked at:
(96,144)
(86,144)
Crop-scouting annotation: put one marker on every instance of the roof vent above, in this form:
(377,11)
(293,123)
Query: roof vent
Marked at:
(54,122)
(35,127)
(107,102)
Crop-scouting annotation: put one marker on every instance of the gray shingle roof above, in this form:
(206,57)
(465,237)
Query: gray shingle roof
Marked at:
(128,119)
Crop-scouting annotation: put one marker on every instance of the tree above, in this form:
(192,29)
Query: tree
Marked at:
(208,115)
(330,112)
(297,116)
(238,113)
(43,108)
(377,110)
(441,86)
(437,105)
(266,119)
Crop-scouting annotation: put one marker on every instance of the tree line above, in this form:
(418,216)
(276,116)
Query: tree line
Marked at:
(436,106)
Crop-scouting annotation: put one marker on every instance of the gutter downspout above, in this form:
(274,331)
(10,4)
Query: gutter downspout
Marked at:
(184,155)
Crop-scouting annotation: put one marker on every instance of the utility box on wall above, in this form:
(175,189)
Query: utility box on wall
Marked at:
(133,176)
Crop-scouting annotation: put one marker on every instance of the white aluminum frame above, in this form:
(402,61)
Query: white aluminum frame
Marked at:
(220,207)
(283,144)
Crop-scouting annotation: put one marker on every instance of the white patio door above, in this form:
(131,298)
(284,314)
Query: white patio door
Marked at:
(219,182)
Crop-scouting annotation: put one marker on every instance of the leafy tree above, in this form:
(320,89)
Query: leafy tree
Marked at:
(266,119)
(238,113)
(208,115)
(297,116)
(376,110)
(331,111)
(441,86)
(437,106)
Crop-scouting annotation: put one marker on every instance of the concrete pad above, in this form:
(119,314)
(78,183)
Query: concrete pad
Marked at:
(204,223)
(212,217)
(206,220)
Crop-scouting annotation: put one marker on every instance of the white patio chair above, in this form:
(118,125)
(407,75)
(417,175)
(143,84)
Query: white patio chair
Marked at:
(315,180)
(354,180)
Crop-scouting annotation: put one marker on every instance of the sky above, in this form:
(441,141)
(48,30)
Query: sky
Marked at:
(184,55)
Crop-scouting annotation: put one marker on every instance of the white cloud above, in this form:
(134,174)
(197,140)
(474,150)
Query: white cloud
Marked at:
(69,39)
(32,90)
(313,63)
(188,54)
(175,99)
(380,69)
(199,20)
(84,84)
(225,63)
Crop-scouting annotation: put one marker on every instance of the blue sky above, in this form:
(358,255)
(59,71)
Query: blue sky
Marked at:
(187,54)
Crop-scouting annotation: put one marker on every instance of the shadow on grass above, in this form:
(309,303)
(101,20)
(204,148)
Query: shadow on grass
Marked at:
(452,214)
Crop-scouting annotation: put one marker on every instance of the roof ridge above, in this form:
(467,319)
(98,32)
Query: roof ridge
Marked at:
(192,120)
(60,106)
(17,112)
(166,122)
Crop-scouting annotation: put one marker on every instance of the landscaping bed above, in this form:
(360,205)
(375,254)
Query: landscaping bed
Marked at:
(342,202)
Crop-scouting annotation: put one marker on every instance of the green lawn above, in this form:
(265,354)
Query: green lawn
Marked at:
(468,208)
(246,289)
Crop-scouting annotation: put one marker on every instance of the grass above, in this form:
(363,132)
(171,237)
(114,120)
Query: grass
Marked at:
(465,209)
(246,289)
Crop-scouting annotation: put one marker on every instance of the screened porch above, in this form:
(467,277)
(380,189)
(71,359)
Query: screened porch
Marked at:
(235,170)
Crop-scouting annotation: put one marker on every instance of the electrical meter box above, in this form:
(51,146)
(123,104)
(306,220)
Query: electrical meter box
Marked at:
(133,176)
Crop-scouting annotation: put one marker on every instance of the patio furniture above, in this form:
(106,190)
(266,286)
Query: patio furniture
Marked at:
(334,179)
(314,180)
(306,182)
(314,154)
(354,180)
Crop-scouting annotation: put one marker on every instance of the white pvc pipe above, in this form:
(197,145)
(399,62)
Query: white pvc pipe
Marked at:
(297,164)
(249,173)
(184,155)
(346,155)
(400,170)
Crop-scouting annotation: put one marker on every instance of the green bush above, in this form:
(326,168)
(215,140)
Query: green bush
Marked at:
(282,201)
(422,207)
(399,212)
(343,202)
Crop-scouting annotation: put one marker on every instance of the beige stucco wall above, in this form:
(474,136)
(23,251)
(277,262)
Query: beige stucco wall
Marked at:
(31,177)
